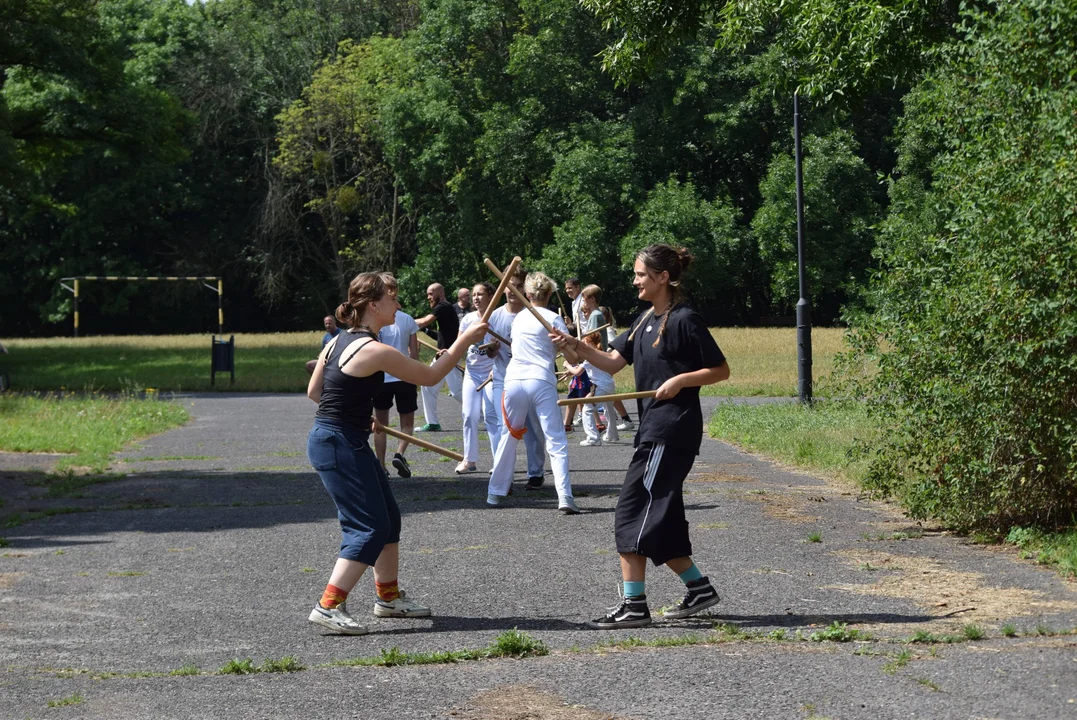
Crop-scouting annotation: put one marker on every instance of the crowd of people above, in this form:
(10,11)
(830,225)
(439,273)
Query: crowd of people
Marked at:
(509,382)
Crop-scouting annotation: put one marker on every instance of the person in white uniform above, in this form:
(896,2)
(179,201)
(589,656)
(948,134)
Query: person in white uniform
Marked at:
(501,323)
(530,383)
(480,367)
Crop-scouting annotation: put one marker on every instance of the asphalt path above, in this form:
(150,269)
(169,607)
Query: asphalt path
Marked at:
(219,538)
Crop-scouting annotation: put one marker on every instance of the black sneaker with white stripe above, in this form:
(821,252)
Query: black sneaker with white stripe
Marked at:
(700,596)
(631,613)
(401,464)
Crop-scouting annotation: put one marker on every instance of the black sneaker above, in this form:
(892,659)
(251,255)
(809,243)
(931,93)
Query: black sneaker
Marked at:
(631,613)
(401,464)
(534,482)
(700,596)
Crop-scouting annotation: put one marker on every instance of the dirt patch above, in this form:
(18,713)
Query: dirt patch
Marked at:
(8,580)
(784,506)
(719,477)
(517,702)
(955,597)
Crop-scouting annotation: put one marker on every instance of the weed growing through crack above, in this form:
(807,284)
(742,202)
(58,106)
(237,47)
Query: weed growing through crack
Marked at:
(186,669)
(838,632)
(70,700)
(286,664)
(815,537)
(973,632)
(900,660)
(235,666)
(928,683)
(1008,630)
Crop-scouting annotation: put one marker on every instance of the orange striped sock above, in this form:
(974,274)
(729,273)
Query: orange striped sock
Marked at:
(387,591)
(333,596)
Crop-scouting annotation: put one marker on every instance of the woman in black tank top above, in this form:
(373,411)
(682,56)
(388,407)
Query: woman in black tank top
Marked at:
(348,374)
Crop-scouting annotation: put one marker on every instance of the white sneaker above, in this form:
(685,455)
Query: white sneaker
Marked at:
(578,419)
(610,438)
(591,443)
(401,607)
(625,425)
(567,506)
(465,467)
(493,500)
(337,620)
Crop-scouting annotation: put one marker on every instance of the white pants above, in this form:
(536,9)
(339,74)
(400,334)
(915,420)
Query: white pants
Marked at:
(590,413)
(521,396)
(534,443)
(489,402)
(430,395)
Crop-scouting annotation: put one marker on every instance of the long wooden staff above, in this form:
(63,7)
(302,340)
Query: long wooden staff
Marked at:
(504,280)
(597,329)
(564,313)
(607,398)
(523,299)
(378,427)
(424,340)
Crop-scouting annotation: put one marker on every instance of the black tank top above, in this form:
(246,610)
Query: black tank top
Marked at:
(345,398)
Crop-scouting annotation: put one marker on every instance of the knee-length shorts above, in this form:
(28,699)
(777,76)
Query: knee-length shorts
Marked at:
(650,519)
(368,513)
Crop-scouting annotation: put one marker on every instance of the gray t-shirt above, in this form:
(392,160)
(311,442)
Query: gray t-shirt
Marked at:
(594,321)
(398,335)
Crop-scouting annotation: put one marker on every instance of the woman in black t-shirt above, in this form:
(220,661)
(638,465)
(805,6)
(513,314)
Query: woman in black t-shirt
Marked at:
(671,352)
(348,375)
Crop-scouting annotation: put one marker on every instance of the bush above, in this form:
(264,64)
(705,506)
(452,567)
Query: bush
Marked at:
(974,326)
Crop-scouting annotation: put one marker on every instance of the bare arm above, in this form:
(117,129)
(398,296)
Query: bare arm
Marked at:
(426,321)
(317,378)
(696,378)
(413,347)
(387,359)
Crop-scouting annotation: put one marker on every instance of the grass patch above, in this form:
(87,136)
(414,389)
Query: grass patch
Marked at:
(815,537)
(511,643)
(1008,630)
(286,664)
(763,362)
(838,632)
(70,700)
(186,669)
(818,437)
(1057,549)
(89,429)
(235,666)
(900,660)
(928,683)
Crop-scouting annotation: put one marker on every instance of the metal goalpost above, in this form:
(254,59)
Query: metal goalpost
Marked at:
(219,289)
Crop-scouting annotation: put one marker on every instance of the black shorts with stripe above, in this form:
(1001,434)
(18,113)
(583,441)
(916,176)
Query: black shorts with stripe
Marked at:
(650,517)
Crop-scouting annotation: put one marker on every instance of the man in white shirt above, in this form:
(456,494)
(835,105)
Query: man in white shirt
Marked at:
(400,335)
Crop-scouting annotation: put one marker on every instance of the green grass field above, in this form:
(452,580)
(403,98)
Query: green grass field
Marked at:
(762,361)
(87,428)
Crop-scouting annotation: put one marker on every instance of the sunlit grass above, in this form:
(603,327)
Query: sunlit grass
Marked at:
(762,361)
(89,428)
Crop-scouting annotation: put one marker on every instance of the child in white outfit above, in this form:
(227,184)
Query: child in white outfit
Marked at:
(601,384)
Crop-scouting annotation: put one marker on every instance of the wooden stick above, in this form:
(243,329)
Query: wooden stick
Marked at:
(487,346)
(597,329)
(504,278)
(520,296)
(607,398)
(378,427)
(497,337)
(485,382)
(424,340)
(564,313)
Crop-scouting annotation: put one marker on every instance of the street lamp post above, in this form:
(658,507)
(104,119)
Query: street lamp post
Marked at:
(803,304)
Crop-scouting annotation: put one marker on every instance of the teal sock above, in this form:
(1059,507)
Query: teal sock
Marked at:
(634,588)
(690,574)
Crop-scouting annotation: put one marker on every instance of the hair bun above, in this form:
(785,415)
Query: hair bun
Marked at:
(345,313)
(686,257)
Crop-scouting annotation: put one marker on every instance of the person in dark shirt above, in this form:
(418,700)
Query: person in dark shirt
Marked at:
(462,306)
(671,352)
(442,313)
(331,331)
(348,376)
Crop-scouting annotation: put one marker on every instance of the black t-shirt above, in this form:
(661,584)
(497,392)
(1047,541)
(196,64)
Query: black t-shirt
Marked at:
(448,324)
(686,346)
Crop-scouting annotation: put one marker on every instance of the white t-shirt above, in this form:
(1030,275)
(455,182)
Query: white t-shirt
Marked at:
(398,335)
(533,352)
(501,323)
(478,363)
(598,377)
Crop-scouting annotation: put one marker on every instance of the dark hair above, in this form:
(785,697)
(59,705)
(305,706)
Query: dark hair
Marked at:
(390,282)
(608,315)
(520,274)
(666,258)
(487,286)
(573,281)
(364,289)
